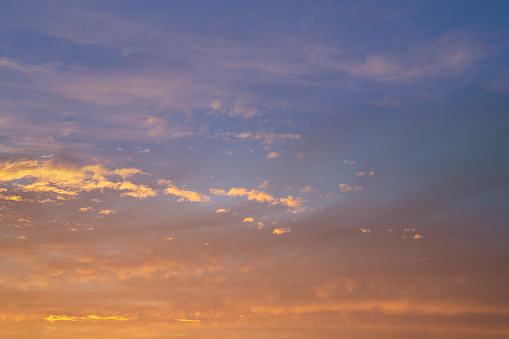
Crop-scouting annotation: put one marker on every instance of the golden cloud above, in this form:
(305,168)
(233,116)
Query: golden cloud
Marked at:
(67,180)
(52,318)
(186,194)
(279,231)
(217,191)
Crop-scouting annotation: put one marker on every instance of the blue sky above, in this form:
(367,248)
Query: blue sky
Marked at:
(247,169)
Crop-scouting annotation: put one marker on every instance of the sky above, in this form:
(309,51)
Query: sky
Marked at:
(254,169)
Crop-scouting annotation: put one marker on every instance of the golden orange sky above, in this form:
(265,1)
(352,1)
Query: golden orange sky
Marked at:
(230,169)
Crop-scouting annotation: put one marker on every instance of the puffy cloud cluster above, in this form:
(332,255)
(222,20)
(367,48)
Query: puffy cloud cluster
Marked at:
(256,195)
(67,180)
(296,205)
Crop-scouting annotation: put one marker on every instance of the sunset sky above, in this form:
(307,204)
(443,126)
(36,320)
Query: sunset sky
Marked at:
(254,169)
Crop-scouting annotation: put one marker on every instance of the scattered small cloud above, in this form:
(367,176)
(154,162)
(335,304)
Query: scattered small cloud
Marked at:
(273,155)
(222,210)
(308,189)
(364,174)
(279,231)
(249,219)
(346,188)
(349,163)
(365,230)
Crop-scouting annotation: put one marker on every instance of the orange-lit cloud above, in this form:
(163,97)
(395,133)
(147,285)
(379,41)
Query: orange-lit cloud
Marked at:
(186,195)
(67,180)
(256,195)
(52,318)
(217,191)
(282,230)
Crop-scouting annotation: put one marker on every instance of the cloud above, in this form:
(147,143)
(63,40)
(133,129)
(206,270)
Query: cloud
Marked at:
(267,138)
(296,204)
(137,191)
(238,192)
(249,219)
(217,191)
(11,197)
(273,155)
(346,188)
(221,210)
(52,318)
(86,209)
(157,125)
(19,66)
(308,189)
(68,127)
(256,195)
(186,195)
(363,174)
(259,196)
(67,180)
(127,172)
(187,320)
(413,236)
(282,230)
(449,55)
(349,163)
(244,135)
(365,230)
(106,212)
(243,110)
